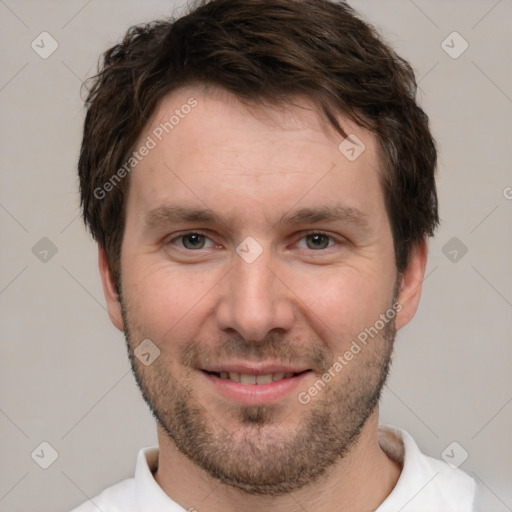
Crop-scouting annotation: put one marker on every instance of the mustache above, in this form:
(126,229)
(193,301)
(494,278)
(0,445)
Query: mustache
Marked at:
(273,348)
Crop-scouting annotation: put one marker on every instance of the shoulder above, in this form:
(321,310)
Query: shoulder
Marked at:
(425,483)
(457,488)
(116,498)
(125,496)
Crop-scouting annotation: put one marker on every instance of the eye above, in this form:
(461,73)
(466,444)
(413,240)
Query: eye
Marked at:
(318,241)
(192,241)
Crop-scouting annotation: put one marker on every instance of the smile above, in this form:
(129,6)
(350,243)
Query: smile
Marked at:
(249,379)
(257,388)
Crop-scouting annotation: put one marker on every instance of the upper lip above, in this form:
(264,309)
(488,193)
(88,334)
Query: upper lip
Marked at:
(254,369)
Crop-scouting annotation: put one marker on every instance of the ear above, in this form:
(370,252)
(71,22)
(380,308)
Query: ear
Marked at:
(410,285)
(109,289)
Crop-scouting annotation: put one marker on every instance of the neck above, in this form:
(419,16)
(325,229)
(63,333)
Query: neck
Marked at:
(359,481)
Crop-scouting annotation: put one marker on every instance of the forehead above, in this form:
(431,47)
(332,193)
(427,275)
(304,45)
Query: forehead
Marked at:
(211,150)
(201,107)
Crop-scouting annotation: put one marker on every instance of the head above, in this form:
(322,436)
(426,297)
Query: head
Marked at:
(236,232)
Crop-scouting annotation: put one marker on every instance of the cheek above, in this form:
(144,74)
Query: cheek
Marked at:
(165,302)
(344,303)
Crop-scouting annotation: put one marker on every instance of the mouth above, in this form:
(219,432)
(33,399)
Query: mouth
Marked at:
(248,379)
(254,387)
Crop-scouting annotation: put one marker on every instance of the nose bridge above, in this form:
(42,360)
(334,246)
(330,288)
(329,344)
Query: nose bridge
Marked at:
(253,280)
(254,301)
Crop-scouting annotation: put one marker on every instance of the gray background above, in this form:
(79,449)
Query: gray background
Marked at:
(65,376)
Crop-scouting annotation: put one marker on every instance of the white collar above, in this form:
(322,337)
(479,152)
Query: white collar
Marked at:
(425,484)
(147,491)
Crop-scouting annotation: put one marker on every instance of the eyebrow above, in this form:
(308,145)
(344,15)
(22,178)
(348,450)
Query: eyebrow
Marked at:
(169,214)
(328,213)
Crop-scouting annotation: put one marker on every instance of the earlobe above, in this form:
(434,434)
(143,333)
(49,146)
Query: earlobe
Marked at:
(109,290)
(410,286)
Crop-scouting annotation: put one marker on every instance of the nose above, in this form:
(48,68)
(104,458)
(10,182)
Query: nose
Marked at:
(255,299)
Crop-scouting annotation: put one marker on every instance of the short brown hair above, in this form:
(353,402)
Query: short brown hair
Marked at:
(261,50)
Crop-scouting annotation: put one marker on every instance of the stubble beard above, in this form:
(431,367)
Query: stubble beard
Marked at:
(260,457)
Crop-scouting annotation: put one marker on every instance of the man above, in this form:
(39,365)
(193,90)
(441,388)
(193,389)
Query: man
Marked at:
(260,182)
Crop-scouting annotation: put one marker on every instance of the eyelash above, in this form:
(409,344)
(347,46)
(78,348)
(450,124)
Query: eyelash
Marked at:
(305,235)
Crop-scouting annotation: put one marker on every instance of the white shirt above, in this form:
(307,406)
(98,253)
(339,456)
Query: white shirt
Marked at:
(425,484)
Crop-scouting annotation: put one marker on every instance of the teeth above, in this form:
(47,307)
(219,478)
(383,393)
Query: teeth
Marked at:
(246,379)
(264,379)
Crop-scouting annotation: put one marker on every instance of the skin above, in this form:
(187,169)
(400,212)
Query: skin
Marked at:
(295,303)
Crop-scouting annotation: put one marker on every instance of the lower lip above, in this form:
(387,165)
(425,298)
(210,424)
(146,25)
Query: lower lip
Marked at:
(255,394)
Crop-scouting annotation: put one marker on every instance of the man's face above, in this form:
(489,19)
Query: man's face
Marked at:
(254,246)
